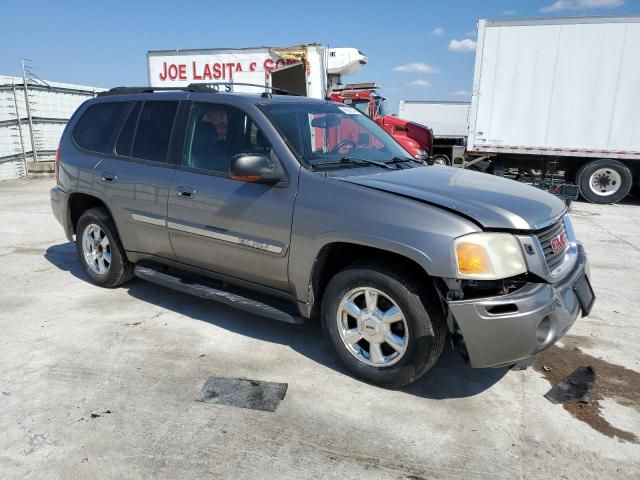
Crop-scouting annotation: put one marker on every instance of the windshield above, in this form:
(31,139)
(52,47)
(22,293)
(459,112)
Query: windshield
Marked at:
(381,107)
(361,105)
(324,134)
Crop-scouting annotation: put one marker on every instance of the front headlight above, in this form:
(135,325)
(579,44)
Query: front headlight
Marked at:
(420,152)
(488,256)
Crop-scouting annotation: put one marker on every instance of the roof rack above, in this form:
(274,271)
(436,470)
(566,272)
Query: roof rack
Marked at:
(214,87)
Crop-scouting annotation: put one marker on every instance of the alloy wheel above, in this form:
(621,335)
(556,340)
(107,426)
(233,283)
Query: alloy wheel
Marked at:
(372,327)
(96,249)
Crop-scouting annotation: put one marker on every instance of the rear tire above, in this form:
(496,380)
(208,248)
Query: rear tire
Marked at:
(100,250)
(604,181)
(422,328)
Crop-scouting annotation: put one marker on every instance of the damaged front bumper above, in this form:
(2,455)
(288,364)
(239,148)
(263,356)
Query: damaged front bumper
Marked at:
(510,330)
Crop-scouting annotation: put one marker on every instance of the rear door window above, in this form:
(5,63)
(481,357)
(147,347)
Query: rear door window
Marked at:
(97,126)
(125,141)
(153,133)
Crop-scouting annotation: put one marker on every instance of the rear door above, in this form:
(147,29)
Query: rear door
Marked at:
(235,228)
(134,180)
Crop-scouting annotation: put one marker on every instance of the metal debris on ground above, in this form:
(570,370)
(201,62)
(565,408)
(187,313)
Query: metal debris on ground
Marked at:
(243,393)
(576,387)
(96,414)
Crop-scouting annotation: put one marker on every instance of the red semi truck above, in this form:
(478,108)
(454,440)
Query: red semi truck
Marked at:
(415,138)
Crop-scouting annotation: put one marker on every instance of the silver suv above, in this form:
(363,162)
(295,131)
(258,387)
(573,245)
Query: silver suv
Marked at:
(295,209)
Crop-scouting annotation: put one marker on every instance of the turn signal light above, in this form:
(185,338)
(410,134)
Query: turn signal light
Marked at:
(472,259)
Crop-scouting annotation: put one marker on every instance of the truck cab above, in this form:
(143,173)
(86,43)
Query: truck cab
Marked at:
(415,138)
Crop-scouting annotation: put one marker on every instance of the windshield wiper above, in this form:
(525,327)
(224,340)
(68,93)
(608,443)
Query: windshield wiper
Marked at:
(357,161)
(403,160)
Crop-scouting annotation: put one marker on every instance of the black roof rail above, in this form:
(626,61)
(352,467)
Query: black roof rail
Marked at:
(214,87)
(131,90)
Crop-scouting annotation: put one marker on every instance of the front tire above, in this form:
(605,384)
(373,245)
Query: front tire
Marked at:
(604,181)
(384,328)
(100,251)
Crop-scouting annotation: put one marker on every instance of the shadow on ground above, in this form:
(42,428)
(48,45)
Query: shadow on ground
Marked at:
(450,378)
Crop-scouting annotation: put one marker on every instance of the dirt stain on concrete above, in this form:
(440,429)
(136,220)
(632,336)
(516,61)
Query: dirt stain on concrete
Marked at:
(28,250)
(612,381)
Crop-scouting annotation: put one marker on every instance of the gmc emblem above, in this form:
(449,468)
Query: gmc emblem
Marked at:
(559,242)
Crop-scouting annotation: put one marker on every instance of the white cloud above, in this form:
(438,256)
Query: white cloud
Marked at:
(506,13)
(417,67)
(560,5)
(419,83)
(462,46)
(437,32)
(460,93)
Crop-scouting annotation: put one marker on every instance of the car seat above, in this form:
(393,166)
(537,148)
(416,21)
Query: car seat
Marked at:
(207,152)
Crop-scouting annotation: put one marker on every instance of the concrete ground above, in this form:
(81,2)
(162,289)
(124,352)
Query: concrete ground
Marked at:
(101,383)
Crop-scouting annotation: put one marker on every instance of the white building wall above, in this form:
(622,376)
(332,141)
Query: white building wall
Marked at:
(51,108)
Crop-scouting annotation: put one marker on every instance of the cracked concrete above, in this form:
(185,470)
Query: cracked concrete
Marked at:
(69,349)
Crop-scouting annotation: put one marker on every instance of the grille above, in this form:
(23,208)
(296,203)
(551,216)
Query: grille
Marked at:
(544,237)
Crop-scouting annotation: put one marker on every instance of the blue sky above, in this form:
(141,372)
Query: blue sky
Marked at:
(408,43)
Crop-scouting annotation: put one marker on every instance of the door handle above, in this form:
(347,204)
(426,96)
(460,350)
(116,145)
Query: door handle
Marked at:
(109,177)
(186,192)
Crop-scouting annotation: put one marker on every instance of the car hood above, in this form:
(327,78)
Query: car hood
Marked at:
(492,202)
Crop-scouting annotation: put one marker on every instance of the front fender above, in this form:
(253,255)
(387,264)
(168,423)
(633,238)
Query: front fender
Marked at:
(330,210)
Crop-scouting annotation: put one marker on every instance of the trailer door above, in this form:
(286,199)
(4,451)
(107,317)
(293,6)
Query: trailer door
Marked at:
(292,78)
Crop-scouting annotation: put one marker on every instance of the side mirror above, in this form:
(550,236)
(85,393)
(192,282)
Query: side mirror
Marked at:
(253,167)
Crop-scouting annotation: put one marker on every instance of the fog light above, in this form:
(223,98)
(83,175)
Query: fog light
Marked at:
(544,332)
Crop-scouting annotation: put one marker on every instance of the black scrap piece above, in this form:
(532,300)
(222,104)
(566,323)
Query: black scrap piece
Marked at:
(575,387)
(243,393)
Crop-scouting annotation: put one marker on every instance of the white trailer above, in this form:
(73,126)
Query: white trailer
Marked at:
(308,70)
(446,119)
(563,92)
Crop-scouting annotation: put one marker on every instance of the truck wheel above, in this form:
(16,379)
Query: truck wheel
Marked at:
(604,181)
(382,327)
(100,251)
(440,159)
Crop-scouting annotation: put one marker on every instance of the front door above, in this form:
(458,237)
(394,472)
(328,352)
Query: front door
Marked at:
(235,228)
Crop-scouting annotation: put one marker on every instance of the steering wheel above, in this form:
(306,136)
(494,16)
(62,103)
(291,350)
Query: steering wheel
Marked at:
(350,143)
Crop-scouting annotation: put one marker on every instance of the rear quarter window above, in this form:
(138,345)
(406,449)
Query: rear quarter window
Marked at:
(96,127)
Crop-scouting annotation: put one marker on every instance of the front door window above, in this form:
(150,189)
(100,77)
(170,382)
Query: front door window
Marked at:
(216,132)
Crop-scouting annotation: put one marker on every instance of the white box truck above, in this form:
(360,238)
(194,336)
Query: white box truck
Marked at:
(448,120)
(308,70)
(560,93)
